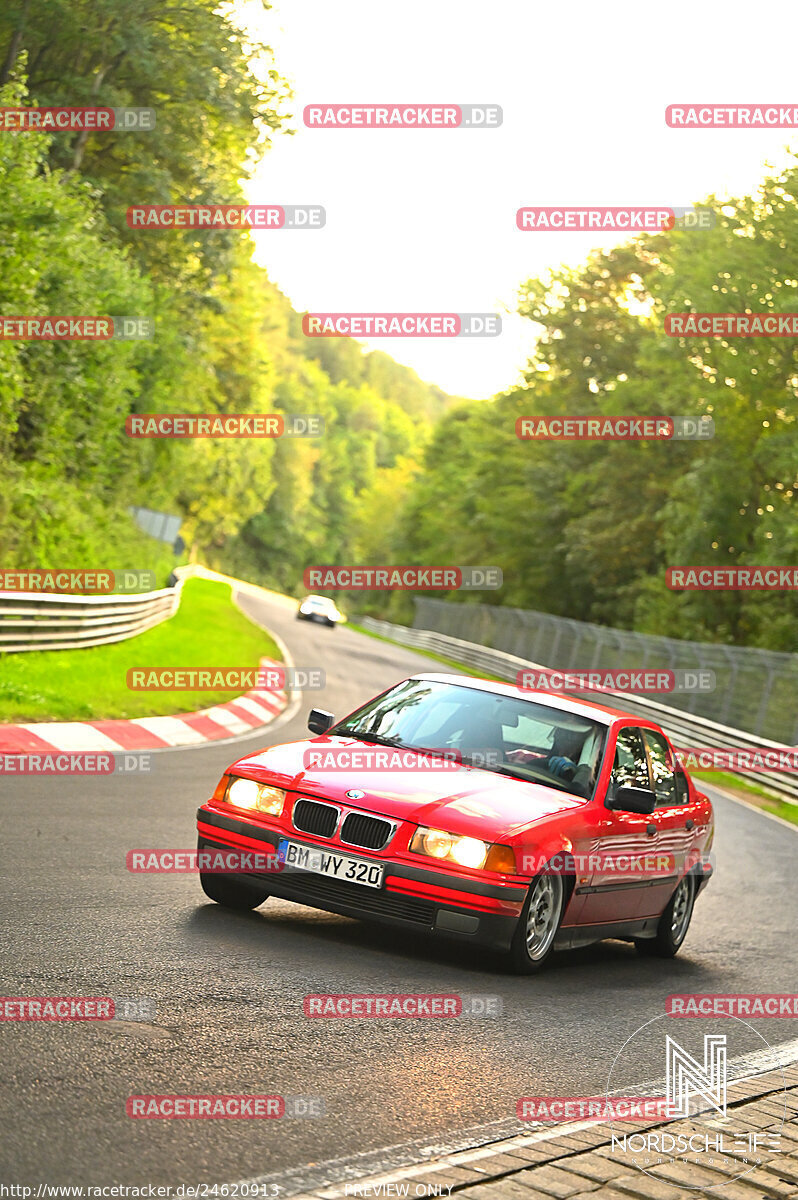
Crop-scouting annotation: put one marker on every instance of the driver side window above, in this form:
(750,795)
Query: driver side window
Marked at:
(631,764)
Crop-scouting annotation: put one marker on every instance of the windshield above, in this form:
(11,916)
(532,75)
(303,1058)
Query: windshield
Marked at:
(523,738)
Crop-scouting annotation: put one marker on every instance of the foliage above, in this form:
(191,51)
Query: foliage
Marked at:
(587,529)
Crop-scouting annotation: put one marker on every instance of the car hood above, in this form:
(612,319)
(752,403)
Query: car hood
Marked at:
(463,800)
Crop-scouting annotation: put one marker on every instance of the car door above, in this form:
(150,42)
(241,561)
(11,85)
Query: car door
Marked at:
(674,817)
(614,893)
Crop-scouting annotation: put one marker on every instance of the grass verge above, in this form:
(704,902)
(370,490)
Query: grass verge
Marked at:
(749,792)
(84,685)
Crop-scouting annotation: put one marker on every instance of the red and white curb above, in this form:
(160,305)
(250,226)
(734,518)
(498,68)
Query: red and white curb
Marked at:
(246,713)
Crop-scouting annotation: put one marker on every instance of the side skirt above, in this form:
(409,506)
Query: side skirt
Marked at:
(571,936)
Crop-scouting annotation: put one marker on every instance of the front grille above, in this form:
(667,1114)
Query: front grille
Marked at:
(308,887)
(361,830)
(311,817)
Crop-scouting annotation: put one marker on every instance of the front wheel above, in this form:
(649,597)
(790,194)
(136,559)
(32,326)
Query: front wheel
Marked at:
(231,891)
(673,924)
(537,926)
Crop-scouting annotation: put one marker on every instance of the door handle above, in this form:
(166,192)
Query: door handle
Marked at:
(651,830)
(689,824)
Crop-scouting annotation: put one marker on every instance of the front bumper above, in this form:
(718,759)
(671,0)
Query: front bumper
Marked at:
(412,898)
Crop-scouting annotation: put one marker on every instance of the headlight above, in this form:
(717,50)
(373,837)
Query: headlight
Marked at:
(433,842)
(465,851)
(469,852)
(261,797)
(436,843)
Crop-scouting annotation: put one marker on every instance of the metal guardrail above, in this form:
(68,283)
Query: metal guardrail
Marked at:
(756,689)
(46,621)
(684,729)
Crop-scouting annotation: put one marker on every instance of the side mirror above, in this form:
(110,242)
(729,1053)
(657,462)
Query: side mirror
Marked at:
(319,720)
(633,800)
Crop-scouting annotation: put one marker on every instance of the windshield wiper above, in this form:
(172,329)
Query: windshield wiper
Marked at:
(377,738)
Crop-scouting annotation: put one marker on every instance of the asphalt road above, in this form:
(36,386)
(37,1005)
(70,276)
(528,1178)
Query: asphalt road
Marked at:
(228,987)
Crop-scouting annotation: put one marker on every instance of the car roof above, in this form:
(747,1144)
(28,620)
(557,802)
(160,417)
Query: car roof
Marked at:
(584,708)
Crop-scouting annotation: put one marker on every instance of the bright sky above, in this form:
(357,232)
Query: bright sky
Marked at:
(424,221)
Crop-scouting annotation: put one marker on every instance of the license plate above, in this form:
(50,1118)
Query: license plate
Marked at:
(326,862)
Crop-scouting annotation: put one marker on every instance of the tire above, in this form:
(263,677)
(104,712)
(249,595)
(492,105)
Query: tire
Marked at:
(533,940)
(231,891)
(673,924)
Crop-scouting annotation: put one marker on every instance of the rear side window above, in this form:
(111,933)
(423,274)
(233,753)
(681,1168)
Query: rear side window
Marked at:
(682,787)
(662,767)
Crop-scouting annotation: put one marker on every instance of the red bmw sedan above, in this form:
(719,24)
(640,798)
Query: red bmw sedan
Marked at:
(523,822)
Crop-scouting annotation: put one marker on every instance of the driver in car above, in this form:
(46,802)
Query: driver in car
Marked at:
(562,759)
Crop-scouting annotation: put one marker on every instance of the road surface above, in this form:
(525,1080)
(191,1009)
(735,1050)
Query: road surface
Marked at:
(228,987)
